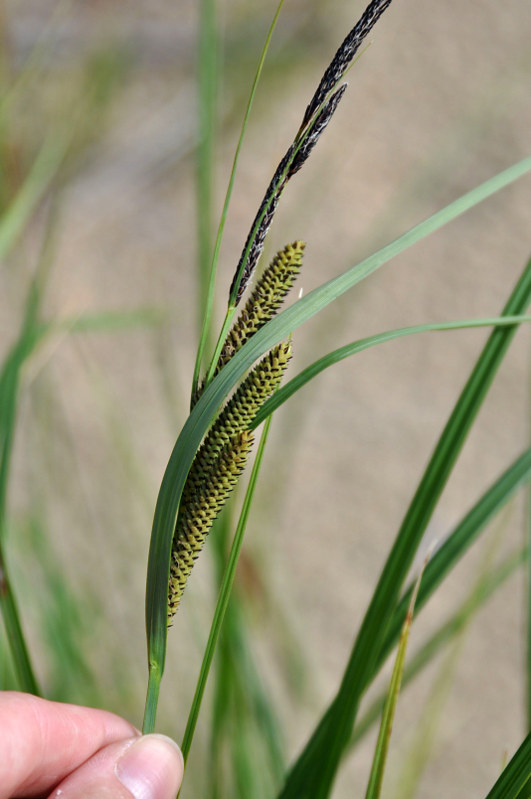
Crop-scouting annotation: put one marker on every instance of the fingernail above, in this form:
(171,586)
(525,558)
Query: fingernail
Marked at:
(151,768)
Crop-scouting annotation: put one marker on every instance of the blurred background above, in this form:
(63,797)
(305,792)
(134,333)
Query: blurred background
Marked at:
(98,145)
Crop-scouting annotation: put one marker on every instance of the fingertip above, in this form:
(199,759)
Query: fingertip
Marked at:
(151,768)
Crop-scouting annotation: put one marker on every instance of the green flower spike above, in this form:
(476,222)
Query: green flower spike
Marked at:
(198,515)
(265,300)
(217,466)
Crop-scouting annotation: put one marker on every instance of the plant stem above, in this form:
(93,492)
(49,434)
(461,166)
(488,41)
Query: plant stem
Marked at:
(152,698)
(209,300)
(224,596)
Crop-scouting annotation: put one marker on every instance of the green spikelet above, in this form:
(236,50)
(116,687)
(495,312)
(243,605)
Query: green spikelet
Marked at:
(217,466)
(208,493)
(265,300)
(245,403)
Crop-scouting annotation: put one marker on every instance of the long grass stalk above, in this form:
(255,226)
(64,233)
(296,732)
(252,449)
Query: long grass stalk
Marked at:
(9,391)
(460,539)
(224,596)
(44,169)
(374,787)
(209,299)
(444,635)
(207,93)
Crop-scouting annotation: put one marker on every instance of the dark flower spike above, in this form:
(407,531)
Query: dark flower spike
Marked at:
(265,300)
(316,117)
(261,224)
(346,52)
(317,127)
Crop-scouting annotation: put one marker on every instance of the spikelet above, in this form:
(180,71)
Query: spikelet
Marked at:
(208,492)
(265,300)
(217,466)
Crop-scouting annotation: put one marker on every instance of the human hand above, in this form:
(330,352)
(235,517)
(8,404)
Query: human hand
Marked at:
(49,749)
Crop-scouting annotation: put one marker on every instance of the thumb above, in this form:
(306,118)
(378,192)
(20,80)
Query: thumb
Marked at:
(147,767)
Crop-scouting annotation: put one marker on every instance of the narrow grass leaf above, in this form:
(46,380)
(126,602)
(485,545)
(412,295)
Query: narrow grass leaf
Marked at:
(374,787)
(9,392)
(209,300)
(443,636)
(515,779)
(203,412)
(297,382)
(108,321)
(461,538)
(207,70)
(314,771)
(238,672)
(44,168)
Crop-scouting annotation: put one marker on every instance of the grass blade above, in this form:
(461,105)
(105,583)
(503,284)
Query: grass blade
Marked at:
(108,321)
(462,537)
(9,390)
(241,704)
(42,172)
(199,420)
(314,772)
(209,299)
(444,635)
(224,596)
(297,382)
(515,779)
(207,93)
(374,787)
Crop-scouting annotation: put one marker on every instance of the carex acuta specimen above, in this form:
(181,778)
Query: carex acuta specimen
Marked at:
(222,456)
(224,449)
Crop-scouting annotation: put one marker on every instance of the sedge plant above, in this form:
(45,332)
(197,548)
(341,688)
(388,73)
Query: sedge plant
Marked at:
(242,375)
(216,441)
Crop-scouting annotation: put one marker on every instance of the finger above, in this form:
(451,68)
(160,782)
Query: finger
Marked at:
(150,767)
(41,742)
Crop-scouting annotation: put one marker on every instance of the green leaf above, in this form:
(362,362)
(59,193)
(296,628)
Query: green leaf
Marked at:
(297,382)
(515,779)
(203,412)
(444,635)
(44,169)
(462,537)
(374,787)
(29,337)
(314,771)
(108,321)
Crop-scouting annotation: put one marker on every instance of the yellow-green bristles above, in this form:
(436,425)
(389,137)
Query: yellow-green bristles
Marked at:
(217,466)
(245,403)
(207,495)
(265,300)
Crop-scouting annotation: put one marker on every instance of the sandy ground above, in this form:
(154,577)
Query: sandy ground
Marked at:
(437,104)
